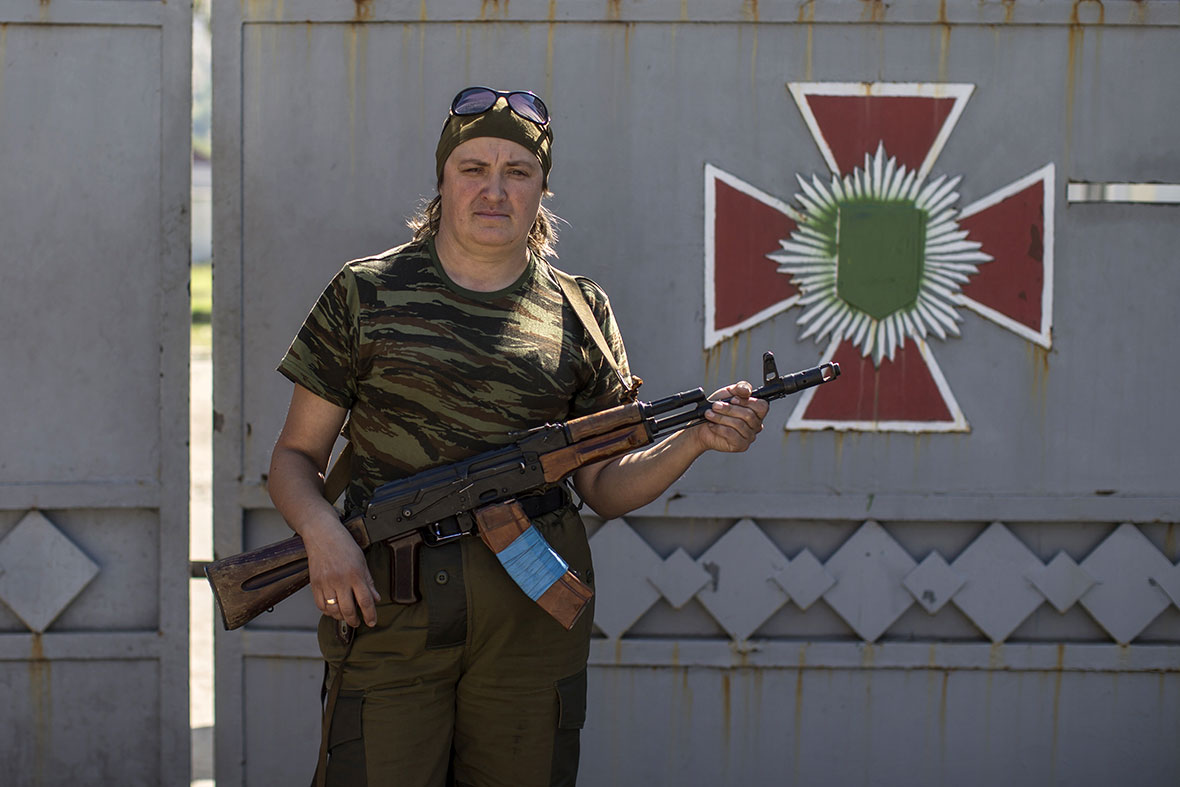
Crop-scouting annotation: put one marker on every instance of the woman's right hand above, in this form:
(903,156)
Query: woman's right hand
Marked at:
(340,580)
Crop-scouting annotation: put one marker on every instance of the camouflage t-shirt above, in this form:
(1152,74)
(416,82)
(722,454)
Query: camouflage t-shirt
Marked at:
(434,373)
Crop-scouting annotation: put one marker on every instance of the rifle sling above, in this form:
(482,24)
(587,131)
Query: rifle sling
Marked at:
(338,476)
(328,697)
(573,293)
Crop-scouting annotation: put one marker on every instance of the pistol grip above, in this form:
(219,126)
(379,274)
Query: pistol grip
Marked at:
(403,564)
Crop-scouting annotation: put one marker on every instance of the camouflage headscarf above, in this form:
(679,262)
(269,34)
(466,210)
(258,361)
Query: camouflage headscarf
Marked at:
(499,121)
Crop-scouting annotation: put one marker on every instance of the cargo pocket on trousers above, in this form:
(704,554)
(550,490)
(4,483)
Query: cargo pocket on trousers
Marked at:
(346,742)
(571,716)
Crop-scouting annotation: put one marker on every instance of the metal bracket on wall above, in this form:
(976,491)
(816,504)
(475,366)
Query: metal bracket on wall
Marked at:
(1139,193)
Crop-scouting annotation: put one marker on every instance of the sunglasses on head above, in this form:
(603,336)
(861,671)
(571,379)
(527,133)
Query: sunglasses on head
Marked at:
(477,100)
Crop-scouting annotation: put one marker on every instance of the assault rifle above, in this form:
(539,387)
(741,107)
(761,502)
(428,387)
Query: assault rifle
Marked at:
(250,583)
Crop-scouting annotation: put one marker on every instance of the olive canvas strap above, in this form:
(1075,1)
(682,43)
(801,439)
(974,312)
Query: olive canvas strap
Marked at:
(336,481)
(334,485)
(328,696)
(573,294)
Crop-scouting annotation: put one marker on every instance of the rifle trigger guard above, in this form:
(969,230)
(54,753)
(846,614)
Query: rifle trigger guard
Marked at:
(449,529)
(435,536)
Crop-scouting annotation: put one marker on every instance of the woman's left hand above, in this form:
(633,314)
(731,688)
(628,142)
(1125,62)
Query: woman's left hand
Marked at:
(734,420)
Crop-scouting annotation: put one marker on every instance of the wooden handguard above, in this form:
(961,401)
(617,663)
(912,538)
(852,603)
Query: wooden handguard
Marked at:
(500,525)
(560,463)
(605,421)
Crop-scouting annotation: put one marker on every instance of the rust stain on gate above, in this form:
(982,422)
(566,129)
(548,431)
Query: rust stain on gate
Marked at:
(798,731)
(874,10)
(3,46)
(1058,671)
(726,709)
(41,700)
(806,17)
(490,9)
(550,29)
(358,40)
(358,44)
(1083,14)
(943,29)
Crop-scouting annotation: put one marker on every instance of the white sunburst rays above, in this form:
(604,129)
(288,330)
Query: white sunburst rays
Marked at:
(811,257)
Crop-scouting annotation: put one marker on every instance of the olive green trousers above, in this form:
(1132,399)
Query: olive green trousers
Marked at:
(474,686)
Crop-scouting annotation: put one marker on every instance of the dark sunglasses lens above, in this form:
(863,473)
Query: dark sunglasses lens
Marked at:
(473,101)
(529,106)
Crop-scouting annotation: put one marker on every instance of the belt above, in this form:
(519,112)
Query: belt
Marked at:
(533,506)
(544,503)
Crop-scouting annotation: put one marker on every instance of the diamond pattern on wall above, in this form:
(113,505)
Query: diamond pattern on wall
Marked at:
(869,569)
(997,596)
(1125,599)
(41,571)
(933,583)
(622,592)
(679,578)
(804,579)
(741,596)
(1062,582)
(1168,580)
(870,581)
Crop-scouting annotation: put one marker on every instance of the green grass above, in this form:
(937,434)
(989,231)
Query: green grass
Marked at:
(201,286)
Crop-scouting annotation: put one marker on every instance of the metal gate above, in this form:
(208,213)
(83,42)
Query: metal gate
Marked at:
(94,233)
(959,566)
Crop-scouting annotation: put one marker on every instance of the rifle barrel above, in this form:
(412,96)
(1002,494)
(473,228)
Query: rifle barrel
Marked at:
(775,388)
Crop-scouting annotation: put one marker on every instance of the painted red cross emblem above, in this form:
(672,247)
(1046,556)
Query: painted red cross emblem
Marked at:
(879,257)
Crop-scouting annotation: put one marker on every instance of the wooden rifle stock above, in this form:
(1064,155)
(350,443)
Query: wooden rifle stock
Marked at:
(249,584)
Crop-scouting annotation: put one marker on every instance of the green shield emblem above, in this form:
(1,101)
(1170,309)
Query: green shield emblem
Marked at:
(881,248)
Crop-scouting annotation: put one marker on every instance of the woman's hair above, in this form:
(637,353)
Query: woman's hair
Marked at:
(542,235)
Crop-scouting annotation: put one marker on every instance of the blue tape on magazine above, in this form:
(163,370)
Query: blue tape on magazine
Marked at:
(532,563)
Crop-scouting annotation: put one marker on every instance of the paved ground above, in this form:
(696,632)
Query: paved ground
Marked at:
(201,548)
